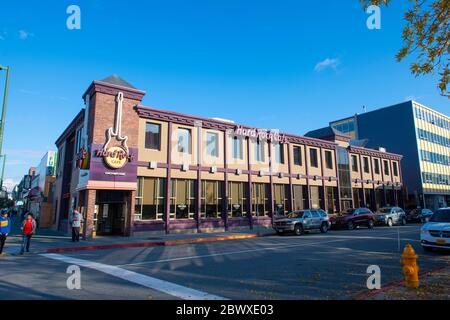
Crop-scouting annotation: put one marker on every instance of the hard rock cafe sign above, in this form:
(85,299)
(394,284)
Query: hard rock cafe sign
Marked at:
(117,156)
(260,134)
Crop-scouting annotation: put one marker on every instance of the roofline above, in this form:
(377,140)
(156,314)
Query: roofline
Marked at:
(432,110)
(70,127)
(106,87)
(223,125)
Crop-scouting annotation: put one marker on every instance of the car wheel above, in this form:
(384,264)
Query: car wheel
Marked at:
(324,227)
(370,224)
(298,229)
(350,225)
(403,222)
(390,223)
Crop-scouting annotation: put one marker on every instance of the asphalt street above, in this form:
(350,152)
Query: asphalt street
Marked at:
(313,266)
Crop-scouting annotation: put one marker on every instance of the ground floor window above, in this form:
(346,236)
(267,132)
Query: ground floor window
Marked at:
(281,198)
(211,201)
(237,200)
(356,197)
(150,195)
(261,202)
(331,199)
(182,199)
(300,197)
(315,197)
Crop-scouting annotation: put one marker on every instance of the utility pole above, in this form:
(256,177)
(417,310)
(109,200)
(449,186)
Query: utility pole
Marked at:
(2,124)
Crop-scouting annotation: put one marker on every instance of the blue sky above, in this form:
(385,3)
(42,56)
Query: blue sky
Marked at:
(293,65)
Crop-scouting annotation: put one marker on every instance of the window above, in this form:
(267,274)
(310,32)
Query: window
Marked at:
(150,199)
(153,136)
(261,202)
(237,148)
(376,168)
(184,140)
(182,199)
(354,163)
(279,153)
(386,167)
(211,201)
(237,200)
(212,144)
(78,140)
(313,158)
(297,156)
(281,198)
(366,165)
(395,168)
(328,160)
(259,151)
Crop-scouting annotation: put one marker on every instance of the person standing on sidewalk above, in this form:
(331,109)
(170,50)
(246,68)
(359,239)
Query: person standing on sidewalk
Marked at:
(5,229)
(76,220)
(28,229)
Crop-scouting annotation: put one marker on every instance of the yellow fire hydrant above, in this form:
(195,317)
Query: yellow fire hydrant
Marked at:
(410,267)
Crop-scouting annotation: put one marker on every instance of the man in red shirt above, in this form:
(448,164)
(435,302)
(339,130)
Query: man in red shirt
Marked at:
(28,229)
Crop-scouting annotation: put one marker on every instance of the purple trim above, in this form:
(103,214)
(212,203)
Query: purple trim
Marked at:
(291,191)
(375,153)
(308,191)
(250,187)
(183,224)
(112,89)
(338,207)
(148,226)
(238,222)
(226,191)
(176,117)
(362,178)
(169,177)
(272,204)
(322,159)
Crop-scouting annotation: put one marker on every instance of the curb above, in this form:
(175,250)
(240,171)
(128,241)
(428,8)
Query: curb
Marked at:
(394,284)
(154,243)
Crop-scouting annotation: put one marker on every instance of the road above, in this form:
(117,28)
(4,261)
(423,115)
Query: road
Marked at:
(313,266)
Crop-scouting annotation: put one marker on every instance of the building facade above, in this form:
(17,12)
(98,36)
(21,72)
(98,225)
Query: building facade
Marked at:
(131,168)
(422,136)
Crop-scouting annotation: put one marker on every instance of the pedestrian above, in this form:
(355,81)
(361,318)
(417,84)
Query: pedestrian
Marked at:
(28,229)
(5,229)
(75,220)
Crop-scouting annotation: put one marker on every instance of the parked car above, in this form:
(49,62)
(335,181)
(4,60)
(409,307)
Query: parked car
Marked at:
(389,216)
(419,215)
(304,220)
(436,232)
(353,218)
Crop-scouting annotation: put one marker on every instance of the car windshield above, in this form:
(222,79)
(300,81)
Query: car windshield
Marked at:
(297,214)
(441,216)
(384,210)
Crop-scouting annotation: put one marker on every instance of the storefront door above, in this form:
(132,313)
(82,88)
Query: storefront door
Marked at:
(111,219)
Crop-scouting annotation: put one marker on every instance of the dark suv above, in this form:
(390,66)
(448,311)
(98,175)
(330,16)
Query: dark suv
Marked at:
(353,218)
(419,215)
(303,220)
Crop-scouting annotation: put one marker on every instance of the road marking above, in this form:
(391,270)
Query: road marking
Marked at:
(140,279)
(227,253)
(277,247)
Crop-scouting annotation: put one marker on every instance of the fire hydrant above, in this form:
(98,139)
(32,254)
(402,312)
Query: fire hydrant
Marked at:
(410,267)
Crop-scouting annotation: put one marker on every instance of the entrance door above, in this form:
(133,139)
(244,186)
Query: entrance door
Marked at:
(111,220)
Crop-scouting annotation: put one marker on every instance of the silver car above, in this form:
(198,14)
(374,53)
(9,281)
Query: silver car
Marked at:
(303,220)
(389,216)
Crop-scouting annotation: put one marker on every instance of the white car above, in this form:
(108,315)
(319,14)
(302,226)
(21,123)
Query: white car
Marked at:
(436,232)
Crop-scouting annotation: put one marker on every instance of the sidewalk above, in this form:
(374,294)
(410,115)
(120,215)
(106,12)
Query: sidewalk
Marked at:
(434,285)
(47,241)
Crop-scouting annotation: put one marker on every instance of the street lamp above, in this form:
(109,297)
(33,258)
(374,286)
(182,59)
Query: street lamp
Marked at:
(2,123)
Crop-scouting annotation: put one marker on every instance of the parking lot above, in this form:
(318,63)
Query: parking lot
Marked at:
(312,266)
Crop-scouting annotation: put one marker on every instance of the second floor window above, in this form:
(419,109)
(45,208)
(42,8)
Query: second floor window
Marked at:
(279,153)
(184,140)
(386,167)
(366,165)
(297,156)
(237,148)
(152,136)
(376,166)
(354,163)
(259,151)
(395,168)
(212,144)
(313,158)
(329,159)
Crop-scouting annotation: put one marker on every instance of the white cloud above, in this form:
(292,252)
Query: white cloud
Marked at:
(23,35)
(327,63)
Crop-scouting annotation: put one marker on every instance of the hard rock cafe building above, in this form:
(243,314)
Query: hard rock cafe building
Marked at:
(130,168)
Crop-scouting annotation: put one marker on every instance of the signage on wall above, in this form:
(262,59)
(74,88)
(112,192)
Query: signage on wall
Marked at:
(260,134)
(116,157)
